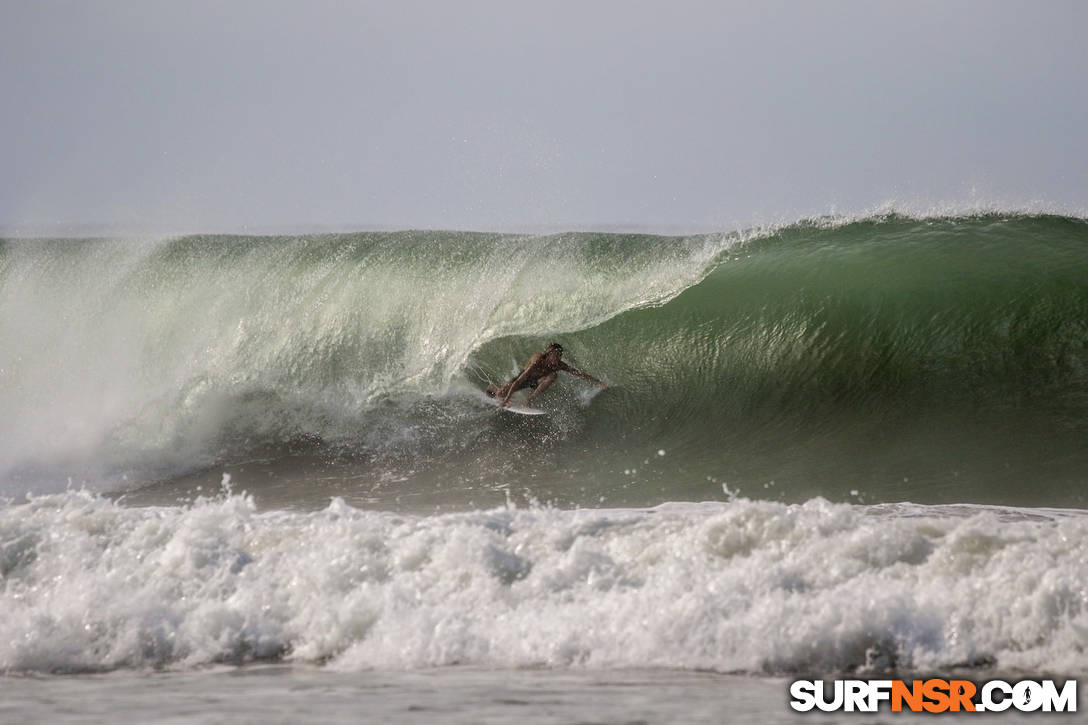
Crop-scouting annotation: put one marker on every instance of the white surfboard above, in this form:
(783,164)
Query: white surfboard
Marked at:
(521,409)
(513,407)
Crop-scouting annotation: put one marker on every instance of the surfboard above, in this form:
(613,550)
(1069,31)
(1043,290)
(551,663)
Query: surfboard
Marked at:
(521,409)
(513,407)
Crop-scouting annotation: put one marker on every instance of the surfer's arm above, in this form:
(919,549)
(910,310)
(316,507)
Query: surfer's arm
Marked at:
(584,376)
(517,382)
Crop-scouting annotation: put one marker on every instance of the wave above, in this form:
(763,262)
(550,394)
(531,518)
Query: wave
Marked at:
(157,355)
(746,586)
(883,358)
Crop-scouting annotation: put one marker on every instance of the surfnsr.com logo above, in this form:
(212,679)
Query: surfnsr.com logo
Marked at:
(933,696)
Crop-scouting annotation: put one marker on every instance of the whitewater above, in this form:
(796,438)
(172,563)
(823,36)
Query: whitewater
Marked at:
(840,445)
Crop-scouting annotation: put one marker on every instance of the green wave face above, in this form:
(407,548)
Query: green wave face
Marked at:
(884,359)
(935,360)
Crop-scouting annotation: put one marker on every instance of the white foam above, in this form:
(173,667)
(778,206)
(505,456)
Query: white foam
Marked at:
(742,586)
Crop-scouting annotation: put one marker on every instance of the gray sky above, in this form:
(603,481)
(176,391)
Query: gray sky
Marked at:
(211,116)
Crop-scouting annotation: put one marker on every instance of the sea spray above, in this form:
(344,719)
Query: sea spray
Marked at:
(155,355)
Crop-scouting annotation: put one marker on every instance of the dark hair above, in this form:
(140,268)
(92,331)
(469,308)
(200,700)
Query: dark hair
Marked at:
(554,346)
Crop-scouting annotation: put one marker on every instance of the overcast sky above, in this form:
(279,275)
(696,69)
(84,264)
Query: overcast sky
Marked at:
(214,116)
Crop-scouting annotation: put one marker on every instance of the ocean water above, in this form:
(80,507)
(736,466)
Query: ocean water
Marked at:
(234,467)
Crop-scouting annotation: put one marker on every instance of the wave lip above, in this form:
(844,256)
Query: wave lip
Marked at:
(746,586)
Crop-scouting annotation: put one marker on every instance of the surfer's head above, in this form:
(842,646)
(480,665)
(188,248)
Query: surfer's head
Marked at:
(554,347)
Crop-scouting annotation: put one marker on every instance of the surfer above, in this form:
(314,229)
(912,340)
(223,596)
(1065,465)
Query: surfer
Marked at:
(538,375)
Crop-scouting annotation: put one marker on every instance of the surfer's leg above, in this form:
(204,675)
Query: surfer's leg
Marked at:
(543,384)
(499,391)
